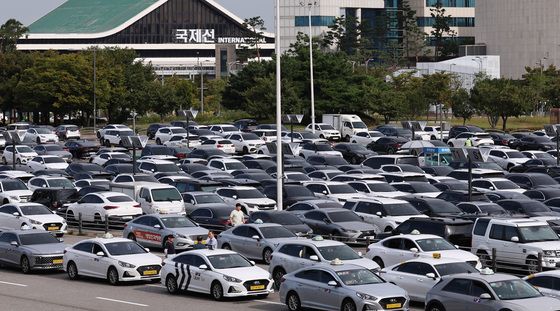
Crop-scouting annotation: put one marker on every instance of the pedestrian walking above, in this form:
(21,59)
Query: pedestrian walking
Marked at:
(199,244)
(211,241)
(236,217)
(169,247)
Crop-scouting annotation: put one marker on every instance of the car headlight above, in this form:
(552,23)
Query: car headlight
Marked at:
(126,265)
(365,296)
(13,197)
(549,253)
(34,222)
(232,279)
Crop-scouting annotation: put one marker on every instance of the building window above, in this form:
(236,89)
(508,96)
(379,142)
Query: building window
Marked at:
(302,21)
(431,41)
(452,3)
(454,22)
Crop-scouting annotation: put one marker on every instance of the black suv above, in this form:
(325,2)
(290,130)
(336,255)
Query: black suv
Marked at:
(153,128)
(456,130)
(54,198)
(456,231)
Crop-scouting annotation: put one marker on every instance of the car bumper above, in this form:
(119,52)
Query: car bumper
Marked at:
(373,305)
(239,290)
(132,274)
(44,140)
(551,262)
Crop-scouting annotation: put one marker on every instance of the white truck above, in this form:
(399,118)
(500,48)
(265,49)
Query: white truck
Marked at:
(347,124)
(154,198)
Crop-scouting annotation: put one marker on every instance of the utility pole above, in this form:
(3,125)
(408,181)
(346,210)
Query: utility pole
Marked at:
(310,5)
(94,90)
(279,153)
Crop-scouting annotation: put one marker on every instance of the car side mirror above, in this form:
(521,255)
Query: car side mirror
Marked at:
(414,250)
(147,249)
(255,237)
(379,214)
(332,283)
(325,191)
(100,254)
(492,188)
(203,267)
(252,262)
(431,275)
(314,258)
(515,239)
(485,296)
(234,196)
(157,226)
(14,243)
(360,254)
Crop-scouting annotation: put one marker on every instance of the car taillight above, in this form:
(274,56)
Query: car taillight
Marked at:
(219,146)
(136,205)
(181,155)
(398,145)
(65,149)
(505,142)
(225,222)
(107,207)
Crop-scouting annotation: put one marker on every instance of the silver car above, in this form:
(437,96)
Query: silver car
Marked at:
(154,230)
(255,241)
(340,287)
(31,250)
(197,199)
(486,291)
(53,149)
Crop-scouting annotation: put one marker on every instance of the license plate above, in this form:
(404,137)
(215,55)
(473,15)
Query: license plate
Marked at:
(256,287)
(57,261)
(150,272)
(52,228)
(393,305)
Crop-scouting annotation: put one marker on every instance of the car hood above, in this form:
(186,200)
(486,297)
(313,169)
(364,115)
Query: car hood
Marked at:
(545,245)
(191,231)
(246,273)
(454,254)
(140,259)
(301,228)
(391,194)
(19,192)
(537,303)
(259,201)
(57,166)
(356,225)
(46,218)
(46,249)
(363,262)
(216,205)
(62,153)
(381,290)
(400,219)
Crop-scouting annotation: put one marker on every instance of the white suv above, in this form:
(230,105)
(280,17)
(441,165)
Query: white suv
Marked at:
(164,134)
(325,131)
(517,242)
(250,198)
(114,137)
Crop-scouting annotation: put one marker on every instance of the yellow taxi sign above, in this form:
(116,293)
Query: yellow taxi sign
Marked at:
(436,255)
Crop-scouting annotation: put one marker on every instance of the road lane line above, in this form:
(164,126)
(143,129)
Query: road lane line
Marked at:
(122,301)
(13,284)
(269,302)
(156,285)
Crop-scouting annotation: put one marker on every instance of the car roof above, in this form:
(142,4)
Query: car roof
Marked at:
(496,277)
(105,241)
(317,243)
(378,200)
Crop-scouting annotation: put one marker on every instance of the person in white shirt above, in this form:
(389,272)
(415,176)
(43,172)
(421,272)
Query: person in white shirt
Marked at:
(237,217)
(211,241)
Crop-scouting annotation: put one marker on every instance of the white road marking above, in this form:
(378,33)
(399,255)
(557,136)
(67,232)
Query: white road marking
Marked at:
(122,301)
(13,284)
(156,285)
(270,302)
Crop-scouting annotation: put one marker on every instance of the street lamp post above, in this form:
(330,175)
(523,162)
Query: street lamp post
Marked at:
(94,89)
(279,153)
(310,5)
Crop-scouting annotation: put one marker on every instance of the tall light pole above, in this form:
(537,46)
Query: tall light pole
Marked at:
(94,90)
(279,153)
(310,5)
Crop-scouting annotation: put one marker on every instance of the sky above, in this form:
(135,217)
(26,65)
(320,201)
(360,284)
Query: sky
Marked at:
(28,11)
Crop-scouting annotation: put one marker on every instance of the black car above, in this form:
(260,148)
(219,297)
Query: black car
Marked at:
(291,194)
(457,196)
(252,175)
(543,194)
(246,125)
(153,128)
(376,162)
(530,208)
(534,142)
(338,222)
(456,130)
(442,170)
(262,164)
(387,145)
(151,150)
(87,171)
(389,130)
(501,139)
(495,196)
(54,198)
(553,203)
(532,180)
(433,207)
(286,219)
(190,185)
(319,160)
(51,172)
(207,154)
(456,231)
(478,207)
(535,165)
(81,148)
(116,169)
(451,185)
(212,218)
(486,165)
(354,153)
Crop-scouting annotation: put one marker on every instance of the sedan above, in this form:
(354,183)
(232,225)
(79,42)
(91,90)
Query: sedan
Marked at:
(341,224)
(224,145)
(31,215)
(41,135)
(353,152)
(96,206)
(547,282)
(387,145)
(47,162)
(53,149)
(31,250)
(286,219)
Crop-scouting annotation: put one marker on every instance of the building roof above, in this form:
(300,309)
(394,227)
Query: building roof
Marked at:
(89,16)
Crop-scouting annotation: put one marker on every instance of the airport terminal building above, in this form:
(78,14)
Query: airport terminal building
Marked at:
(182,37)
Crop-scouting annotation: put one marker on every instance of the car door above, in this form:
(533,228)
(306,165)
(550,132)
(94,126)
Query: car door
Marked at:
(331,296)
(252,246)
(8,220)
(391,251)
(82,256)
(473,301)
(5,240)
(307,282)
(202,216)
(199,278)
(496,239)
(100,264)
(11,252)
(412,276)
(146,233)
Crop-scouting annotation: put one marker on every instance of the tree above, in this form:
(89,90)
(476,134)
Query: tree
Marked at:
(441,28)
(438,90)
(413,37)
(10,32)
(461,105)
(255,34)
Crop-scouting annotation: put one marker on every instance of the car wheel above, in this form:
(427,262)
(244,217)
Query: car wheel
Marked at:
(217,291)
(293,302)
(347,138)
(379,262)
(25,265)
(435,306)
(158,141)
(107,143)
(245,150)
(113,276)
(226,247)
(277,276)
(70,216)
(171,285)
(532,264)
(18,161)
(132,237)
(267,255)
(72,271)
(390,151)
(348,305)
(388,229)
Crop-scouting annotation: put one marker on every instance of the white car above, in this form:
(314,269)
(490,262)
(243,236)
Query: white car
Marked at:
(477,139)
(14,191)
(250,198)
(226,165)
(31,216)
(47,162)
(245,142)
(365,138)
(96,206)
(220,273)
(418,276)
(396,249)
(114,137)
(183,141)
(115,259)
(164,134)
(221,144)
(23,154)
(507,158)
(68,131)
(102,183)
(41,135)
(224,129)
(325,131)
(300,137)
(547,282)
(494,184)
(538,154)
(435,132)
(104,157)
(333,190)
(309,149)
(376,188)
(101,131)
(266,135)
(49,182)
(204,138)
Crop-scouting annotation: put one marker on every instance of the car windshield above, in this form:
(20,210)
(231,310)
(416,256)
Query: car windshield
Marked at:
(145,178)
(308,135)
(43,131)
(53,148)
(535,207)
(341,189)
(208,198)
(72,128)
(537,234)
(455,268)
(167,168)
(381,187)
(10,185)
(34,209)
(358,277)
(359,125)
(543,155)
(249,194)
(298,191)
(250,136)
(401,209)
(24,149)
(177,222)
(328,205)
(228,261)
(441,206)
(235,166)
(285,219)
(424,187)
(166,194)
(119,199)
(53,160)
(436,244)
(327,127)
(37,238)
(60,183)
(323,147)
(124,248)
(342,252)
(492,209)
(516,155)
(505,184)
(543,179)
(276,232)
(344,216)
(230,129)
(514,289)
(179,131)
(334,161)
(298,177)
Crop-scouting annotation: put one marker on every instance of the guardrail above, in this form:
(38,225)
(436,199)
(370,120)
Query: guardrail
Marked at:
(104,224)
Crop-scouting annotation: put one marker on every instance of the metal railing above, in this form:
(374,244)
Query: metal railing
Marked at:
(104,224)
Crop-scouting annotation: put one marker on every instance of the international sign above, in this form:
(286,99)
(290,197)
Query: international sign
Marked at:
(201,36)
